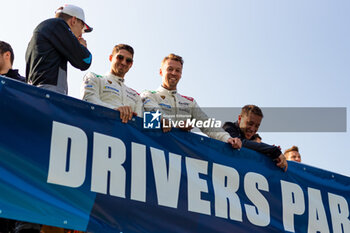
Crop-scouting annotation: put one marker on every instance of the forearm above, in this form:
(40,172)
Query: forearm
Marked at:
(215,133)
(271,151)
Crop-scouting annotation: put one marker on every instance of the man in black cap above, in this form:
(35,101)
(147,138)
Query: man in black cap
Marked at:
(6,62)
(54,42)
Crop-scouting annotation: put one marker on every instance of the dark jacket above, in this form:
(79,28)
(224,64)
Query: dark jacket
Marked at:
(234,130)
(51,46)
(15,75)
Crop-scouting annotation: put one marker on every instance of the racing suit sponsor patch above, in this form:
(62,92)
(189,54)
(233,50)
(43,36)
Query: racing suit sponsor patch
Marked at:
(183,103)
(189,98)
(165,105)
(112,88)
(130,93)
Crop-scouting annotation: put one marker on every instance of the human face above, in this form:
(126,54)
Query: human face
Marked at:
(121,62)
(2,62)
(249,124)
(293,156)
(76,26)
(171,72)
(5,63)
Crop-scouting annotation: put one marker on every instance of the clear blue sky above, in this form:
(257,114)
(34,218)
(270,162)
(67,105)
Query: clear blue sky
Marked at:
(270,53)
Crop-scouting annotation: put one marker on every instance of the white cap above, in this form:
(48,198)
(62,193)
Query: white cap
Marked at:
(75,11)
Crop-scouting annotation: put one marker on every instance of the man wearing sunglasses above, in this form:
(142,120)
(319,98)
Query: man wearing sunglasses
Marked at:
(54,42)
(109,90)
(176,107)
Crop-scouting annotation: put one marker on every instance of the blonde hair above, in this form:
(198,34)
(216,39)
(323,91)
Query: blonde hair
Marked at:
(247,109)
(174,57)
(293,148)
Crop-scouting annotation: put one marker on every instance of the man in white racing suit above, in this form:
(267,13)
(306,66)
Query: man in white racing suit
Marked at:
(175,107)
(109,90)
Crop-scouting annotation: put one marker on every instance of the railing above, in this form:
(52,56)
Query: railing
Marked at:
(72,164)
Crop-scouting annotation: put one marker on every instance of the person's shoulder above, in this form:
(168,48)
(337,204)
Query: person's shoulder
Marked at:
(52,22)
(187,98)
(146,93)
(228,125)
(133,91)
(92,75)
(55,21)
(51,25)
(13,73)
(149,92)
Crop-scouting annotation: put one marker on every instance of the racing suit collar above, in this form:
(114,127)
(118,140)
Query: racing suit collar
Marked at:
(170,92)
(114,77)
(242,136)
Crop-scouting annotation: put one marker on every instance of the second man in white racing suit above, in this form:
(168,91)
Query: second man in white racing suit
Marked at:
(175,107)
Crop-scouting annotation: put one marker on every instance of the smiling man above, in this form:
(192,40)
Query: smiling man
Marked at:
(246,128)
(293,154)
(54,42)
(109,90)
(176,107)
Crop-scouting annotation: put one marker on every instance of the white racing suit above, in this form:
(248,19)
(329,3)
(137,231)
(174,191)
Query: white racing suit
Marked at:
(111,92)
(176,107)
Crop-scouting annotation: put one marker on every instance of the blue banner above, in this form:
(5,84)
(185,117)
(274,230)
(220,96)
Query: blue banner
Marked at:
(72,164)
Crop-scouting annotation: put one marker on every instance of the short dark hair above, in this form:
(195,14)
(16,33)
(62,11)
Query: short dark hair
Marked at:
(293,148)
(126,47)
(247,109)
(6,47)
(174,57)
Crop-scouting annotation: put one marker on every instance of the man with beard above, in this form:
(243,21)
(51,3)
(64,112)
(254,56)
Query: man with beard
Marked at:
(176,107)
(109,90)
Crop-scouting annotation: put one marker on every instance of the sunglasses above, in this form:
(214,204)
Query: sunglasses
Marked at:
(128,60)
